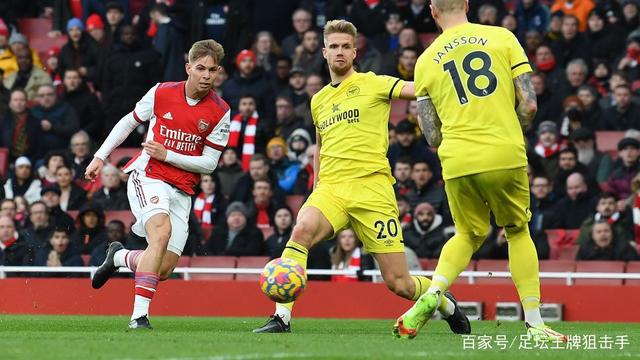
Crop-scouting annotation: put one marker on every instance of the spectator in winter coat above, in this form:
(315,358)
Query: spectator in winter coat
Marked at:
(59,251)
(91,229)
(426,234)
(409,146)
(23,182)
(169,41)
(229,172)
(86,104)
(238,238)
(28,76)
(576,206)
(15,250)
(620,179)
(58,121)
(302,22)
(532,15)
(80,52)
(283,225)
(249,79)
(607,210)
(426,189)
(604,245)
(113,194)
(19,129)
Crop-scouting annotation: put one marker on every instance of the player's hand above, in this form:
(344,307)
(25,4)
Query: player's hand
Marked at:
(155,150)
(94,169)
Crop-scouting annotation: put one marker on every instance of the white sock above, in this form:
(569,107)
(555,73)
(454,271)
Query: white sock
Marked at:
(450,308)
(119,256)
(140,307)
(533,317)
(283,312)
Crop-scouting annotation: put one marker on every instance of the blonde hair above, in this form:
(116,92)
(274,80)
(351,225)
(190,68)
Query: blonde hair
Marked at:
(447,6)
(204,48)
(339,27)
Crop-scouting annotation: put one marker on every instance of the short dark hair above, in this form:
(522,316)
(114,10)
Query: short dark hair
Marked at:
(251,96)
(421,161)
(405,160)
(259,157)
(38,202)
(116,222)
(570,150)
(58,230)
(607,195)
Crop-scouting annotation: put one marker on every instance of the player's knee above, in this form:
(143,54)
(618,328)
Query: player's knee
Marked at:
(303,233)
(399,286)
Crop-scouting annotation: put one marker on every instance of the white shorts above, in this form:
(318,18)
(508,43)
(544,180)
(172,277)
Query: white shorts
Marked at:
(148,197)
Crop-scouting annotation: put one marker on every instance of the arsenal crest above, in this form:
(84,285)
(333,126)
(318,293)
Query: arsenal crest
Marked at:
(203,125)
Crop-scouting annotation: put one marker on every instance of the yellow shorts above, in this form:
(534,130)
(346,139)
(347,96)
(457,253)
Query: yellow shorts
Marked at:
(368,205)
(503,192)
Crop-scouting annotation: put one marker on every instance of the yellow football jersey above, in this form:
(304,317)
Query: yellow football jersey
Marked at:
(468,73)
(352,119)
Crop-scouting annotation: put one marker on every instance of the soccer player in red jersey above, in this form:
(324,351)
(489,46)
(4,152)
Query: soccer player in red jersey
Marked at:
(188,129)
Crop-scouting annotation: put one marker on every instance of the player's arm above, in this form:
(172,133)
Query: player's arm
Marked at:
(408,91)
(207,162)
(527,102)
(429,121)
(316,159)
(120,132)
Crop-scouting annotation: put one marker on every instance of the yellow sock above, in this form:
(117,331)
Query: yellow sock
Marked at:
(299,253)
(454,258)
(523,264)
(422,285)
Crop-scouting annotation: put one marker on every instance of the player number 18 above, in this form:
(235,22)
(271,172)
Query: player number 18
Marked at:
(474,74)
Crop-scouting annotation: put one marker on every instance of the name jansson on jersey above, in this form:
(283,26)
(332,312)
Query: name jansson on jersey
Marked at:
(179,140)
(462,40)
(352,116)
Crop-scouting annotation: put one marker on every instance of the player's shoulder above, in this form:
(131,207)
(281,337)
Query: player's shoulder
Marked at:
(219,101)
(320,95)
(492,31)
(170,85)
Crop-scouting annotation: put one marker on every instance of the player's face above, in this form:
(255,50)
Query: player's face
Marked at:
(606,207)
(283,219)
(340,51)
(202,73)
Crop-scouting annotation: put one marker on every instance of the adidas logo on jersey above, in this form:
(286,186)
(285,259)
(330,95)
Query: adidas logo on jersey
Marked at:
(167,116)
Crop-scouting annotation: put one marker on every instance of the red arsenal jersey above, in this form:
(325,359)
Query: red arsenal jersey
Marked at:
(182,125)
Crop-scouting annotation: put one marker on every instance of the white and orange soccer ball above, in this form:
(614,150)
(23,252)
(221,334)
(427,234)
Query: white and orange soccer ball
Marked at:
(283,280)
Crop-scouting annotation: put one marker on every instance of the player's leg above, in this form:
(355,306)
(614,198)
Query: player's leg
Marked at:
(471,217)
(316,221)
(509,201)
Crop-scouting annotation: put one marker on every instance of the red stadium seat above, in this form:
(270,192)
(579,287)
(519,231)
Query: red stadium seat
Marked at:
(602,267)
(121,152)
(253,262)
(295,203)
(555,237)
(633,267)
(427,38)
(607,141)
(398,111)
(4,162)
(571,237)
(184,261)
(556,266)
(43,44)
(35,27)
(126,216)
(213,261)
(568,253)
(493,265)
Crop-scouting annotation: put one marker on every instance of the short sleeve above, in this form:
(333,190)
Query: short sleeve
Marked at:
(420,78)
(388,87)
(219,136)
(144,107)
(517,57)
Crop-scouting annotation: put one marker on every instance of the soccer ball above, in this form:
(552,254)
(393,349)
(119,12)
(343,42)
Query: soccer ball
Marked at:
(283,280)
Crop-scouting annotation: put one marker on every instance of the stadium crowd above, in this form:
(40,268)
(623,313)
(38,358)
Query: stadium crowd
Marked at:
(58,103)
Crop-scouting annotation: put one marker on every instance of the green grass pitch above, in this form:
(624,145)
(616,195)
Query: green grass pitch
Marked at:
(186,338)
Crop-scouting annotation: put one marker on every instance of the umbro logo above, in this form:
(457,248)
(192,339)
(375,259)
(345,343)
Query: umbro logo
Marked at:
(167,116)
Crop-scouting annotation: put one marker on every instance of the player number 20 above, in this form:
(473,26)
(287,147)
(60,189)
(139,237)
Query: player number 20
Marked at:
(474,74)
(391,228)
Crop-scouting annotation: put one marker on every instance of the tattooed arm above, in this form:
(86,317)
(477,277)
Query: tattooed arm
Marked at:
(527,103)
(429,121)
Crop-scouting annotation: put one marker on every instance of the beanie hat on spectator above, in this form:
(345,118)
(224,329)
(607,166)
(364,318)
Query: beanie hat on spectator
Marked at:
(22,160)
(50,188)
(422,207)
(94,21)
(236,206)
(4,30)
(74,22)
(277,141)
(628,142)
(245,54)
(547,126)
(17,38)
(54,51)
